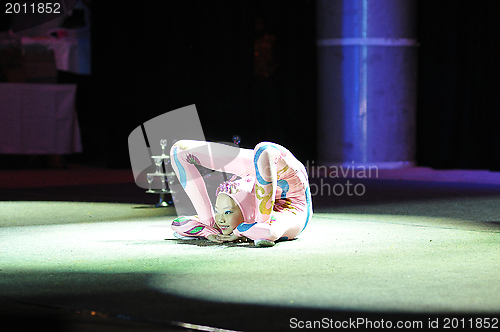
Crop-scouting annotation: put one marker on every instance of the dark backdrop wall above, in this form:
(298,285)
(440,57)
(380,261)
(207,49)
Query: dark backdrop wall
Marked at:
(459,84)
(157,56)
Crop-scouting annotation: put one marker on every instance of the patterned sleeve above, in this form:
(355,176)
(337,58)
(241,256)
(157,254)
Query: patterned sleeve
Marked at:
(266,156)
(191,226)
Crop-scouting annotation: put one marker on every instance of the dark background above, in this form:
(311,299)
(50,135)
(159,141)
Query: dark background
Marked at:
(152,57)
(173,54)
(167,55)
(458,109)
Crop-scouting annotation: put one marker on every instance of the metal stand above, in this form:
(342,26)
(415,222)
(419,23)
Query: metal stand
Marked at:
(164,178)
(167,176)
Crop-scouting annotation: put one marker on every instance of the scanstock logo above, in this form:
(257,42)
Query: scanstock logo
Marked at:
(156,137)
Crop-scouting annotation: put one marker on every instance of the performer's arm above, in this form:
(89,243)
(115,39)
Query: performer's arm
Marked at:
(258,230)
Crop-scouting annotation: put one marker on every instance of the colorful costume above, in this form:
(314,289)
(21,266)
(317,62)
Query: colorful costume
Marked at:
(272,192)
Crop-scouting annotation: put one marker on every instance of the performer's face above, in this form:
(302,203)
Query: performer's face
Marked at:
(227,214)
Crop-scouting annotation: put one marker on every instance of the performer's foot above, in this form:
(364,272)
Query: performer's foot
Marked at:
(263,243)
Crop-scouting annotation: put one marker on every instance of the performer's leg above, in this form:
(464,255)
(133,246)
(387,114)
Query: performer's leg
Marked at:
(302,200)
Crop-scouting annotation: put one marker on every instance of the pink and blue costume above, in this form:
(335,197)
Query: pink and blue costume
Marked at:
(272,190)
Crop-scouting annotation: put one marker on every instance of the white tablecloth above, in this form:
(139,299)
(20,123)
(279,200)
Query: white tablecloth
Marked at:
(38,119)
(71,53)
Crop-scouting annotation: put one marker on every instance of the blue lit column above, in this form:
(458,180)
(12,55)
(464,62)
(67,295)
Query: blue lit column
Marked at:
(367,58)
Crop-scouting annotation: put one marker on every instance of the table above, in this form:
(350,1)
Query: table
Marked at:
(38,119)
(71,53)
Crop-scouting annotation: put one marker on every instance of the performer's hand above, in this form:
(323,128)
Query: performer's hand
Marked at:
(215,238)
(229,238)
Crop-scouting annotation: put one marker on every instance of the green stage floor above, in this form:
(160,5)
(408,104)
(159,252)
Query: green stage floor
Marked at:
(406,251)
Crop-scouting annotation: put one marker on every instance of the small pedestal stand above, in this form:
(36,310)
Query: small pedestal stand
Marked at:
(164,176)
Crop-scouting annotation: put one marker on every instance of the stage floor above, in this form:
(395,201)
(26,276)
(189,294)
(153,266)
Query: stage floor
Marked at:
(417,246)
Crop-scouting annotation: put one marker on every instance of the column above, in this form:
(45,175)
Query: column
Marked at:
(367,58)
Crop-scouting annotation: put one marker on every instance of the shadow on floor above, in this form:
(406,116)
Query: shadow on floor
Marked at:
(117,309)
